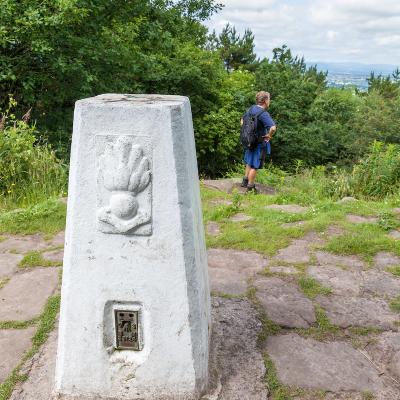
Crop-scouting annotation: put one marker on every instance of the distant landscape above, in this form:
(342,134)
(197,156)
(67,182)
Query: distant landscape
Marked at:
(352,74)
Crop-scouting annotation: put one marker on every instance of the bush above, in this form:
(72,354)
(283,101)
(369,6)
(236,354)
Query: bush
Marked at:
(378,173)
(29,171)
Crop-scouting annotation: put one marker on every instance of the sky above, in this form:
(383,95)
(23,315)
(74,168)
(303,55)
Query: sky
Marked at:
(365,31)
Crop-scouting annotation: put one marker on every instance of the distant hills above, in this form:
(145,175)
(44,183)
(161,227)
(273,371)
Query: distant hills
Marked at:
(352,74)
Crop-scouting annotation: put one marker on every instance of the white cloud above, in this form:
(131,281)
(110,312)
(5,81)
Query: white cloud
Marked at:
(321,30)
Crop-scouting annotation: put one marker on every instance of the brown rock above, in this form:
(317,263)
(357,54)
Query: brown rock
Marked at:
(23,244)
(359,219)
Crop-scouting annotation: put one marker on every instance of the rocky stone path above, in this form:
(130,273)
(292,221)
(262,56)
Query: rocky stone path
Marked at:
(308,323)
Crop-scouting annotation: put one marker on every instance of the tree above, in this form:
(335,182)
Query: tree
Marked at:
(236,51)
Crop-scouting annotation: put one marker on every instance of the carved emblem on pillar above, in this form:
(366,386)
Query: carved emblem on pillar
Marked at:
(124,171)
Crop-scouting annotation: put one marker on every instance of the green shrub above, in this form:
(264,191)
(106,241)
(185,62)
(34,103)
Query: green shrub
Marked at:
(378,174)
(29,170)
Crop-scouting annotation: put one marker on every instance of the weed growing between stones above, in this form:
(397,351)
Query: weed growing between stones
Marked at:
(367,396)
(395,304)
(395,270)
(3,282)
(18,324)
(45,324)
(35,259)
(312,288)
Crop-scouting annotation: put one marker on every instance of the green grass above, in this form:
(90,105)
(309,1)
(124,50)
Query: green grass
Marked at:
(47,217)
(35,259)
(18,324)
(312,288)
(3,282)
(395,304)
(395,270)
(276,389)
(367,396)
(45,324)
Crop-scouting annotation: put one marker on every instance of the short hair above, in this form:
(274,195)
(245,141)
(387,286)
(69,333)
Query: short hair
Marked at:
(262,96)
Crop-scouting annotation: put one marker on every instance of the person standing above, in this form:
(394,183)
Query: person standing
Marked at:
(266,128)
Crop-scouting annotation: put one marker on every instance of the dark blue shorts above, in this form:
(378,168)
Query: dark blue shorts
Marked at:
(256,158)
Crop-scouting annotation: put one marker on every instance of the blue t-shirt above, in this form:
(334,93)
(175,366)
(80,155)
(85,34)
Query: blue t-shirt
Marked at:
(265,122)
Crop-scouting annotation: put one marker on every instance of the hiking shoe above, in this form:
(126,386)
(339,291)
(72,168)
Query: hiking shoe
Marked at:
(245,182)
(252,189)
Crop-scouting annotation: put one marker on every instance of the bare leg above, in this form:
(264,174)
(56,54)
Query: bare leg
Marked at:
(252,176)
(248,168)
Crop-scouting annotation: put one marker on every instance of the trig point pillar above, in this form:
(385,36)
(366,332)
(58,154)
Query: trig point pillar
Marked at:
(135,309)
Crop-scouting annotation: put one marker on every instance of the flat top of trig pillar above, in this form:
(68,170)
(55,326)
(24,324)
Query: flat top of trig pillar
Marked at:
(136,99)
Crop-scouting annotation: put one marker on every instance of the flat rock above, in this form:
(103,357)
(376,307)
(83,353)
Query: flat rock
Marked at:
(340,281)
(236,363)
(280,269)
(54,255)
(351,262)
(23,244)
(293,224)
(240,217)
(356,311)
(213,229)
(283,303)
(395,235)
(359,219)
(299,250)
(40,370)
(380,283)
(334,366)
(58,239)
(333,231)
(386,353)
(347,199)
(9,263)
(288,208)
(396,211)
(25,295)
(13,344)
(384,259)
(229,185)
(230,270)
(221,202)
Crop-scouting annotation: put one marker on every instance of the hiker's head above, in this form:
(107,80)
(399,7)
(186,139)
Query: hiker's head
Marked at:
(263,99)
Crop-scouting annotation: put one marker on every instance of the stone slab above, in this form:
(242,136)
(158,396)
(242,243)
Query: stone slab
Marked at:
(326,258)
(380,283)
(58,239)
(236,364)
(40,371)
(299,250)
(283,303)
(213,228)
(359,219)
(230,270)
(54,255)
(25,295)
(395,235)
(293,224)
(386,353)
(288,208)
(384,259)
(240,217)
(341,281)
(9,264)
(283,270)
(13,344)
(334,366)
(23,244)
(357,311)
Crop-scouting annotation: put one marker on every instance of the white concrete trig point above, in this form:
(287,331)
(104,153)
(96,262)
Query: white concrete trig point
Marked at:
(135,309)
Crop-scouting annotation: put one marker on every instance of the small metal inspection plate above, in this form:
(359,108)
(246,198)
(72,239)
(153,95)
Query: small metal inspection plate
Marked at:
(127,329)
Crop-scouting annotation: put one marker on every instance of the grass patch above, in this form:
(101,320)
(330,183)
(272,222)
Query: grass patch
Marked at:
(46,324)
(276,389)
(367,396)
(312,288)
(35,259)
(395,270)
(18,324)
(3,282)
(395,304)
(47,217)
